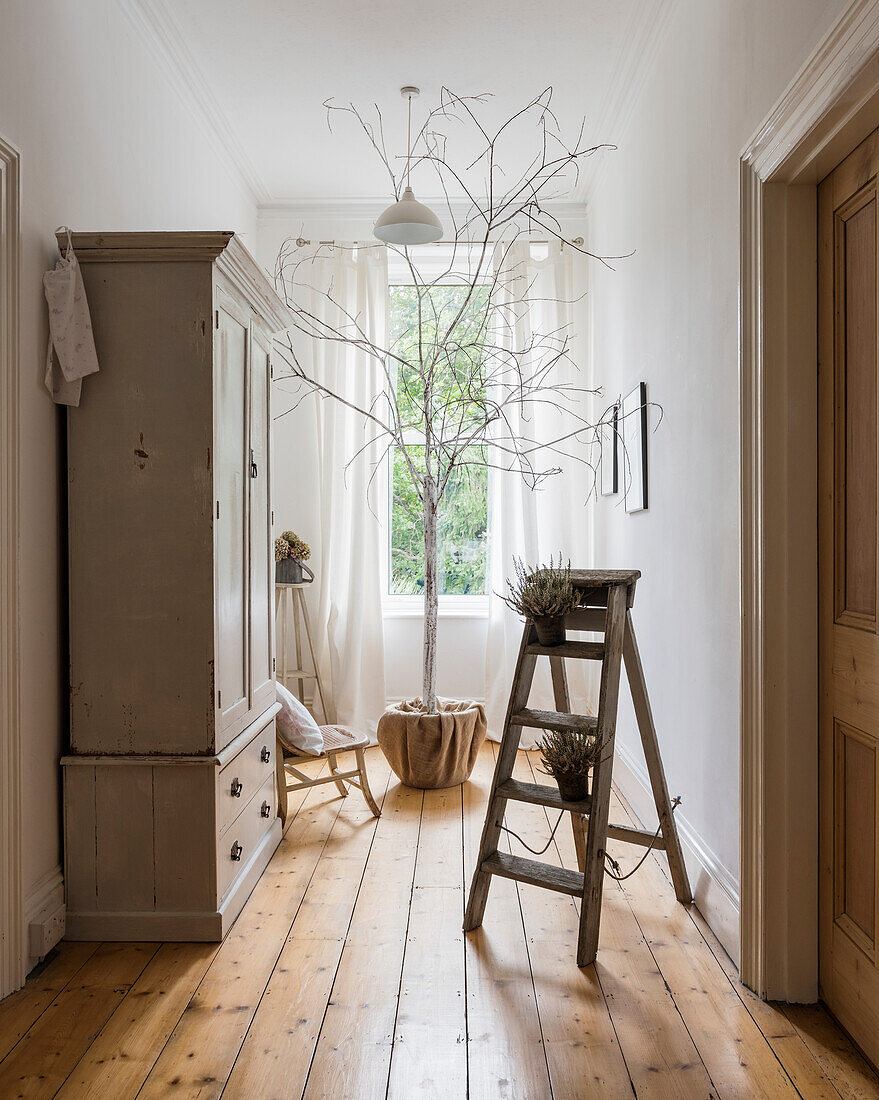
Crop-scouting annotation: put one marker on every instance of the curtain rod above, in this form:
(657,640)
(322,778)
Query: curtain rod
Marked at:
(301,242)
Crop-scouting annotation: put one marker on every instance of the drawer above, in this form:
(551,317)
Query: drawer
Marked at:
(243,775)
(236,845)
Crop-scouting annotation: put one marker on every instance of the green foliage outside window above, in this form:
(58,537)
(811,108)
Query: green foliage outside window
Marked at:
(463,511)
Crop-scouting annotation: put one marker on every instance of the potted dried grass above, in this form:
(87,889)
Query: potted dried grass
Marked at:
(569,756)
(544,595)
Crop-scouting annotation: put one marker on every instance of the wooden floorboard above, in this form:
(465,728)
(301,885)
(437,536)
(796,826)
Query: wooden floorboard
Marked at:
(660,1056)
(276,1055)
(40,1063)
(20,1012)
(353,1052)
(347,975)
(429,1057)
(800,1063)
(506,1061)
(582,1051)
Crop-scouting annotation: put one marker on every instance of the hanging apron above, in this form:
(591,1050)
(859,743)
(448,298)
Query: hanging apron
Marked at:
(71,353)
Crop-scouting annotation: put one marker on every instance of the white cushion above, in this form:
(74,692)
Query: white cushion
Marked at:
(297,730)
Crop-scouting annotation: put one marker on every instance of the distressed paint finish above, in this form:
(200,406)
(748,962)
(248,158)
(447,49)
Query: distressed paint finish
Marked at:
(172,684)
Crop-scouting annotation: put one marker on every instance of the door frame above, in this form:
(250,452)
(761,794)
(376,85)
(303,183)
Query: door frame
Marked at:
(12,947)
(828,109)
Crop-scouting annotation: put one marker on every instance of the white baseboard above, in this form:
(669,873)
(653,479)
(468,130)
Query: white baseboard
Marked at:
(715,891)
(44,916)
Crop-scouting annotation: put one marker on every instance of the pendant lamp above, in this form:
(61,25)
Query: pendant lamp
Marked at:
(408,221)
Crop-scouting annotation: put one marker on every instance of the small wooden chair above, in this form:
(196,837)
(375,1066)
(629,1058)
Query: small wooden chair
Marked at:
(336,739)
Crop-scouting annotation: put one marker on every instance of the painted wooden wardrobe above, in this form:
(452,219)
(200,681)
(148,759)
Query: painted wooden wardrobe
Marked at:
(170,811)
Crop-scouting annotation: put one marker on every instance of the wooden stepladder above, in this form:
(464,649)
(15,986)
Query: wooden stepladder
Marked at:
(606,609)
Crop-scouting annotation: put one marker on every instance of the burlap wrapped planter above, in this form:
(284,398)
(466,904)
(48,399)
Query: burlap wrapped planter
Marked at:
(432,750)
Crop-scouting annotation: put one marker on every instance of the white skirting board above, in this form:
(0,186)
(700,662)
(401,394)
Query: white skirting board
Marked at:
(715,892)
(43,916)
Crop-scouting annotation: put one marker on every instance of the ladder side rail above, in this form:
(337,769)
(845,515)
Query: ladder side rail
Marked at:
(503,770)
(596,831)
(650,743)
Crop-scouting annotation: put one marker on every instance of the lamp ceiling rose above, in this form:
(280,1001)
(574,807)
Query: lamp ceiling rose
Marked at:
(409,91)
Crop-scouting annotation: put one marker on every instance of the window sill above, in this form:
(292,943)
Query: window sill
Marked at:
(398,612)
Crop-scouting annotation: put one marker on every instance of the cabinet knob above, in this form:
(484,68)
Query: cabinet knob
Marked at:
(236,852)
(265,809)
(236,788)
(265,755)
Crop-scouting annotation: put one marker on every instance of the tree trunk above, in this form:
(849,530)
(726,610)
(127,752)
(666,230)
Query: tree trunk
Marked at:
(431,595)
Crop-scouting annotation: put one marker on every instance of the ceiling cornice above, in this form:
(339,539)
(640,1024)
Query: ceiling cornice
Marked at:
(643,36)
(369,208)
(156,27)
(155,24)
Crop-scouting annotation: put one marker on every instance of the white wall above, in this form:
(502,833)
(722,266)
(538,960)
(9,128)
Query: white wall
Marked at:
(105,144)
(668,315)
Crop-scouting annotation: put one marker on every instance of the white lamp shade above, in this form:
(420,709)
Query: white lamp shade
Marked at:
(408,222)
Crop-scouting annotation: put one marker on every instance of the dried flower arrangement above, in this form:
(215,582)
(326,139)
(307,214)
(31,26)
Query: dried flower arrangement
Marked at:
(290,554)
(290,545)
(544,595)
(568,756)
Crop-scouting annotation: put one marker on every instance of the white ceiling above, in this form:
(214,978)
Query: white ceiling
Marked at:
(259,71)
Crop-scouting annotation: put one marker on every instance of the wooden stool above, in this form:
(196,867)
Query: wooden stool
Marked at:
(292,596)
(336,739)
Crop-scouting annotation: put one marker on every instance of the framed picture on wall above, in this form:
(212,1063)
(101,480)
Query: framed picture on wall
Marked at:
(610,452)
(634,416)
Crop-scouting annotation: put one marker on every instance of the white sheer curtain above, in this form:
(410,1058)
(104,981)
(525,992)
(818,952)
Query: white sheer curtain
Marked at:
(533,524)
(316,443)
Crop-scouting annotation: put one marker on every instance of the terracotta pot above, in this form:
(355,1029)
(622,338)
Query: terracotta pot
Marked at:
(573,788)
(289,571)
(550,629)
(429,751)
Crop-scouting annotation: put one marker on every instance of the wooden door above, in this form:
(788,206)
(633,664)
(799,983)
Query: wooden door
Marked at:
(848,553)
(232,470)
(262,627)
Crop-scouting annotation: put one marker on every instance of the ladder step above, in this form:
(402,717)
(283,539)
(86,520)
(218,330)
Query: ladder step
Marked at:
(534,873)
(541,794)
(298,674)
(583,651)
(553,720)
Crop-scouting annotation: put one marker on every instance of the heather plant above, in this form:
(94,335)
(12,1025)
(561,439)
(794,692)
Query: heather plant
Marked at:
(568,754)
(544,592)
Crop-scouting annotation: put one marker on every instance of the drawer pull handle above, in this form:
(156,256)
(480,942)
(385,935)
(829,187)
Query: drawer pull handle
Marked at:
(236,788)
(236,852)
(265,809)
(265,755)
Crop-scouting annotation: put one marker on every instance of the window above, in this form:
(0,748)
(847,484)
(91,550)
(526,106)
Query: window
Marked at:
(463,513)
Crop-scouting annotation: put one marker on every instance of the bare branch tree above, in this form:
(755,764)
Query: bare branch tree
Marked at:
(464,383)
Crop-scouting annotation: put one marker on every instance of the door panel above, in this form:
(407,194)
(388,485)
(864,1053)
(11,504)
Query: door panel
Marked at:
(261,555)
(856,401)
(855,856)
(232,673)
(848,307)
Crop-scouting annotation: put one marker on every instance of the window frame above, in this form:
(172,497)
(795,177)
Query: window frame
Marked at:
(431,261)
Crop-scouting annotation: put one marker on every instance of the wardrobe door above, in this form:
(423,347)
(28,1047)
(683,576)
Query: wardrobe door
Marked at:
(232,469)
(261,552)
